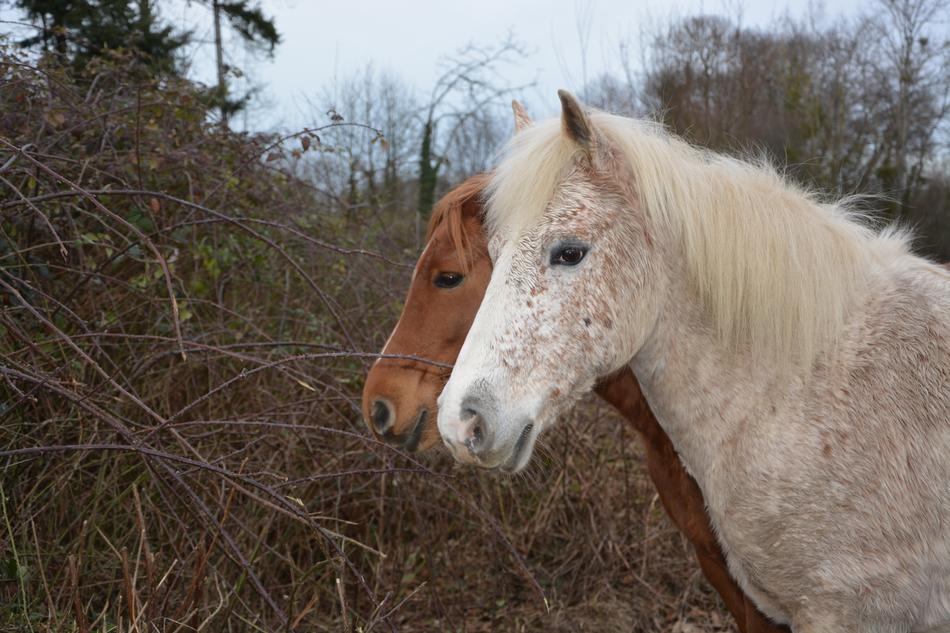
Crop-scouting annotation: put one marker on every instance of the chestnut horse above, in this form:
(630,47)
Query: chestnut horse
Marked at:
(399,399)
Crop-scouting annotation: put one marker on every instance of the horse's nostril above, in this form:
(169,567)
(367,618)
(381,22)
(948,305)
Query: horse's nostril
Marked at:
(380,416)
(474,428)
(476,437)
(478,434)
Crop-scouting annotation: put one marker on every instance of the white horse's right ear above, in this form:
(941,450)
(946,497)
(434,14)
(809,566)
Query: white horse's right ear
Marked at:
(575,123)
(522,120)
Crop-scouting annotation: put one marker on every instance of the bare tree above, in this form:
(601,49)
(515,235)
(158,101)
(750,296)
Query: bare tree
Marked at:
(913,66)
(367,165)
(609,93)
(470,88)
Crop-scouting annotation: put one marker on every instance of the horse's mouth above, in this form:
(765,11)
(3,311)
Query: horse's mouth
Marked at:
(511,465)
(415,436)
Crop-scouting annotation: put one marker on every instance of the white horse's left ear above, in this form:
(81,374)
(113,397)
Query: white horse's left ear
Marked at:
(575,123)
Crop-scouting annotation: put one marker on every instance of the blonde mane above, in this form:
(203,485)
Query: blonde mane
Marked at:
(775,269)
(450,210)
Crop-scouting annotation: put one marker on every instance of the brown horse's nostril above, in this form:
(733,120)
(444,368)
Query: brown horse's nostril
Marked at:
(381,416)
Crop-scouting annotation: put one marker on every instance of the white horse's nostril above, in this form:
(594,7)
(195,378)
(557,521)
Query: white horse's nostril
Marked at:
(473,428)
(475,436)
(478,433)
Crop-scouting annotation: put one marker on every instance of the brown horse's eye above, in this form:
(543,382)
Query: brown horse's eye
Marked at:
(448,280)
(568,254)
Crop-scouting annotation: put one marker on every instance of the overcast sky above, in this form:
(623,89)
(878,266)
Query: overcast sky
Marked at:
(323,40)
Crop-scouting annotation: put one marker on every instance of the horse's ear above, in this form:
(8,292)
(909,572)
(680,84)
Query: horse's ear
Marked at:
(575,122)
(522,120)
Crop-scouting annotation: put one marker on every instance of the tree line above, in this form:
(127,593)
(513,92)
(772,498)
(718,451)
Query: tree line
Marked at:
(852,106)
(78,31)
(855,107)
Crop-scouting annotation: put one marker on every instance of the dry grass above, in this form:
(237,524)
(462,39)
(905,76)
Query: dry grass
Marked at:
(184,330)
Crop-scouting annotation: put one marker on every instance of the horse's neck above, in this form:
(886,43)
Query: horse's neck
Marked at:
(702,394)
(720,406)
(781,459)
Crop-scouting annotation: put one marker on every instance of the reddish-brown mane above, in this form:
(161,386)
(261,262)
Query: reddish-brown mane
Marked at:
(450,211)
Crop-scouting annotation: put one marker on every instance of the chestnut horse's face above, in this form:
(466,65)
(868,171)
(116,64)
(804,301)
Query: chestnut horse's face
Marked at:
(399,399)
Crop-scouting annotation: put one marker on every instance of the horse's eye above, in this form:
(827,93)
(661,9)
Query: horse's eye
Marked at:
(448,280)
(567,255)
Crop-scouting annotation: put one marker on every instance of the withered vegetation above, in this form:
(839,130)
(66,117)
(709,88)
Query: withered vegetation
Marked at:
(185,326)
